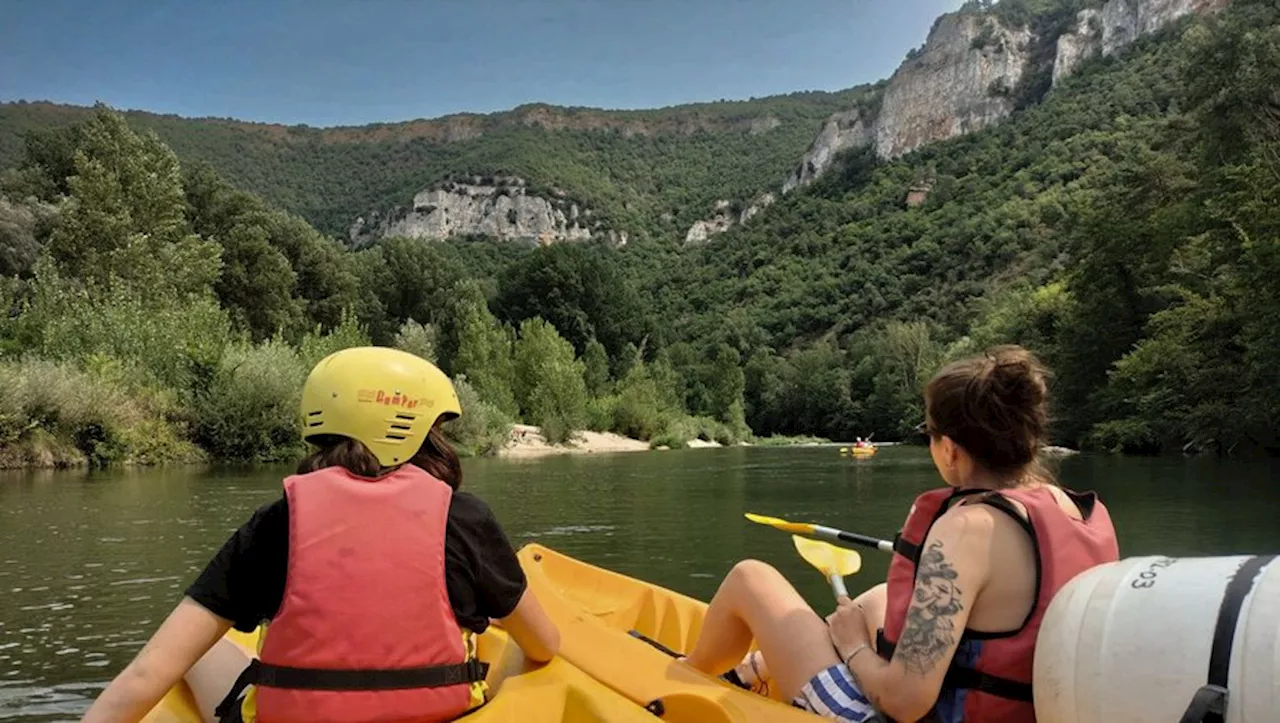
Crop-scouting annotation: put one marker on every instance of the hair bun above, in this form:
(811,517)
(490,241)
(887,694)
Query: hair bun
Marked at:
(995,405)
(1016,377)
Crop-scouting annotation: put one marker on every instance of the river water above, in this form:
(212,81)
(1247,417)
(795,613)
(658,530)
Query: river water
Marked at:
(91,562)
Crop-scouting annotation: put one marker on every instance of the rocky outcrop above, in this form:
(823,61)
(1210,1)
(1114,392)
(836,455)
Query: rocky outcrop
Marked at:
(1076,47)
(841,131)
(725,217)
(964,78)
(500,208)
(960,84)
(1117,25)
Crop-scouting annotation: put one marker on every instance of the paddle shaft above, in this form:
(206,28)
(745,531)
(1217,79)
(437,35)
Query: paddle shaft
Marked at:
(833,535)
(837,586)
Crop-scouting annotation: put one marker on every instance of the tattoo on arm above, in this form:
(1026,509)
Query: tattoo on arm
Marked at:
(930,630)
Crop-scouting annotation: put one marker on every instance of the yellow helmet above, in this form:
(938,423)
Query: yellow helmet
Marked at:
(385,398)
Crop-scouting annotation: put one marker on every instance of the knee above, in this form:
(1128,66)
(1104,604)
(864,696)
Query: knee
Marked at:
(753,572)
(874,598)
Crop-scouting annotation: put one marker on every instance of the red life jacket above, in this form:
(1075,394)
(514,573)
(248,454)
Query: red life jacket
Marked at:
(990,674)
(365,632)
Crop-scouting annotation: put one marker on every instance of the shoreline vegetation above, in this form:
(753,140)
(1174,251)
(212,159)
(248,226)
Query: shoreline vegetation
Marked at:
(525,441)
(44,451)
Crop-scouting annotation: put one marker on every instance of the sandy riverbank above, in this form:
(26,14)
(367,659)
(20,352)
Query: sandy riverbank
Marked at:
(527,441)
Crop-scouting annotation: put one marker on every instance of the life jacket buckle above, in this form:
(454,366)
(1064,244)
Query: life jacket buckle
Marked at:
(476,670)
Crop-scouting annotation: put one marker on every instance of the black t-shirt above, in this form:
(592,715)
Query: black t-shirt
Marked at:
(244,582)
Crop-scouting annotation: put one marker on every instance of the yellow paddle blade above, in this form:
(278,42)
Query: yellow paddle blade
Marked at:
(803,528)
(829,559)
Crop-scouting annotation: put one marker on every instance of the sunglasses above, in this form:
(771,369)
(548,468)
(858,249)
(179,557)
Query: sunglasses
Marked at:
(924,430)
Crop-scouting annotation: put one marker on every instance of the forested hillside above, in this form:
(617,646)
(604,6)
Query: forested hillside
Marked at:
(1125,228)
(650,173)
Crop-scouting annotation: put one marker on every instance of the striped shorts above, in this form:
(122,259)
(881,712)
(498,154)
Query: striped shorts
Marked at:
(833,694)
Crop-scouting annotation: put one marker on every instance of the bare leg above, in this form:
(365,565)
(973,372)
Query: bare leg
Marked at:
(211,678)
(873,602)
(756,601)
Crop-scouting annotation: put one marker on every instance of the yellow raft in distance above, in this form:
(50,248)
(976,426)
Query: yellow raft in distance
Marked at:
(603,673)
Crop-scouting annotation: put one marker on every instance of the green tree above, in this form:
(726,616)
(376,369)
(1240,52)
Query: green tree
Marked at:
(644,410)
(596,362)
(418,339)
(726,385)
(549,381)
(482,347)
(125,219)
(578,289)
(258,285)
(413,279)
(23,228)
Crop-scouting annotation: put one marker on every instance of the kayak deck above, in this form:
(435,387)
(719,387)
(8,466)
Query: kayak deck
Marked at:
(596,611)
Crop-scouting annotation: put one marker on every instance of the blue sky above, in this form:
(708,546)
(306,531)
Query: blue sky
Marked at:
(339,62)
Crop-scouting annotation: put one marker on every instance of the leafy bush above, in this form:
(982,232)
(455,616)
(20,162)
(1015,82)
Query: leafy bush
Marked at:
(176,341)
(419,340)
(641,410)
(56,414)
(250,409)
(602,413)
(483,428)
(317,345)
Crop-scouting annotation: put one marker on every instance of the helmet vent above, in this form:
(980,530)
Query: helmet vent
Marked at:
(396,437)
(406,417)
(315,419)
(402,427)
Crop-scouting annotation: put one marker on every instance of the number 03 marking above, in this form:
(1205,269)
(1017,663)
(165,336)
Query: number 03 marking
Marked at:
(1147,578)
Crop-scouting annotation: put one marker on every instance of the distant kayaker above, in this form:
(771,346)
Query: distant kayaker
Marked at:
(974,568)
(374,571)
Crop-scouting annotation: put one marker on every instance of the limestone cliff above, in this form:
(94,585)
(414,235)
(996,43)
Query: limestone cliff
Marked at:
(961,83)
(841,131)
(964,77)
(1119,23)
(725,217)
(500,208)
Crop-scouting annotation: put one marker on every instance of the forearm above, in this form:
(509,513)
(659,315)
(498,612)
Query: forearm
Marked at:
(188,632)
(888,687)
(128,698)
(532,630)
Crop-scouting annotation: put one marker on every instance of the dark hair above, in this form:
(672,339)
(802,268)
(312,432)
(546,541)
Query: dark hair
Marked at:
(996,406)
(435,457)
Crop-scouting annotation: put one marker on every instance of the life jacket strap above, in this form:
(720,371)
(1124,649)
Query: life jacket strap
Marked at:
(960,677)
(906,549)
(280,676)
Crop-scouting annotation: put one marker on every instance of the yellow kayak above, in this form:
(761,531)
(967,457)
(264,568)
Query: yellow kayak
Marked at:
(858,451)
(603,672)
(519,691)
(597,610)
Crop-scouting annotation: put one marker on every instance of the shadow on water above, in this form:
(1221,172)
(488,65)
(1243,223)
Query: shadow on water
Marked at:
(92,561)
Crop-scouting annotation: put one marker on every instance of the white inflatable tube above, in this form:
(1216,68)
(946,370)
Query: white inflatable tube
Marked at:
(1136,641)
